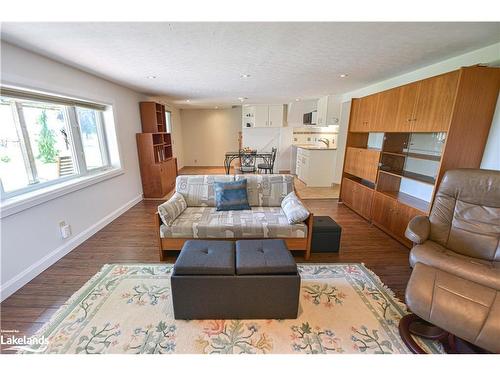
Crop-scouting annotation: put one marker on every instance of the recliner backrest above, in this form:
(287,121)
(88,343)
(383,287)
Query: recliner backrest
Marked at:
(465,216)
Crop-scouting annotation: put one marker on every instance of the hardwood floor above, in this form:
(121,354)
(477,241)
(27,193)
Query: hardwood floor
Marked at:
(131,239)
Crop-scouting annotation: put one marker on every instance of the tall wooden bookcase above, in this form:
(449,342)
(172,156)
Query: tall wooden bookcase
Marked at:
(401,141)
(154,145)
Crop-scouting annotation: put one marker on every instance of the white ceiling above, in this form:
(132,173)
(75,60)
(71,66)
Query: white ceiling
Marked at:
(203,61)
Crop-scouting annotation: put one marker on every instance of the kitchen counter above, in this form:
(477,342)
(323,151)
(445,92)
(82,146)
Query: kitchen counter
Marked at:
(314,168)
(312,147)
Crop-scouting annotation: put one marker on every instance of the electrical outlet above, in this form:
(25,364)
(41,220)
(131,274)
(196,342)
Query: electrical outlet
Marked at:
(65,229)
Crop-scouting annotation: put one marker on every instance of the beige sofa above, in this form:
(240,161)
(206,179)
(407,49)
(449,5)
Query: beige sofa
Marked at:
(266,219)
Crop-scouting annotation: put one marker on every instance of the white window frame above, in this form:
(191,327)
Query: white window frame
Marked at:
(81,169)
(168,126)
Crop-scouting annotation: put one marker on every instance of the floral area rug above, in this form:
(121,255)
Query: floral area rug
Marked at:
(127,308)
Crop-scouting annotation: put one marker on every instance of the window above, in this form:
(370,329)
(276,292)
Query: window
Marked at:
(46,140)
(168,117)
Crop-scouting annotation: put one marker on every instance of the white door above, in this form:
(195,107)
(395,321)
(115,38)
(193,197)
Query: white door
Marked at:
(276,116)
(261,116)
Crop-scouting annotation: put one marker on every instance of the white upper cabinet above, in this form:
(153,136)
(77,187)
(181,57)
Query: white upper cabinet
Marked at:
(276,116)
(328,110)
(261,116)
(264,116)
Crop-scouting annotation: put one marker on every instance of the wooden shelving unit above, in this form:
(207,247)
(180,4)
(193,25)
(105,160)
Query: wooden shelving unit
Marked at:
(377,184)
(154,145)
(414,155)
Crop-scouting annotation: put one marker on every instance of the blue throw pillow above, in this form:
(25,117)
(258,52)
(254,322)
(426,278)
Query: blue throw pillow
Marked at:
(231,195)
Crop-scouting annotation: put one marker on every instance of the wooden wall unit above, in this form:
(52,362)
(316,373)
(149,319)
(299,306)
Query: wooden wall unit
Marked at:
(458,105)
(157,164)
(362,163)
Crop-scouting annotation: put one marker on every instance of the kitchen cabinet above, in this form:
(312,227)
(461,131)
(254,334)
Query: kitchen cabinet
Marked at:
(265,116)
(328,110)
(261,116)
(276,116)
(316,166)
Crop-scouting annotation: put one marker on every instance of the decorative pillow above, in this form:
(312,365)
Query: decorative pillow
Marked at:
(231,195)
(293,208)
(172,208)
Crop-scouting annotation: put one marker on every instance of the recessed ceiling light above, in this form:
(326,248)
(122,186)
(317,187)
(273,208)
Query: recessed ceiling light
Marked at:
(297,99)
(344,75)
(244,75)
(151,77)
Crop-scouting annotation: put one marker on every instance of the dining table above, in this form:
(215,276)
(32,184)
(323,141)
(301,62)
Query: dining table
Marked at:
(231,155)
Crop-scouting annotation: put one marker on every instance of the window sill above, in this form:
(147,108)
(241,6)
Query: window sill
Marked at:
(25,201)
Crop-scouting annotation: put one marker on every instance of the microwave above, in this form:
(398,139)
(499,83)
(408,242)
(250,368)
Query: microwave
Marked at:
(310,118)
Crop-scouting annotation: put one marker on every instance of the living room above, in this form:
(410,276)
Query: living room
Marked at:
(250,187)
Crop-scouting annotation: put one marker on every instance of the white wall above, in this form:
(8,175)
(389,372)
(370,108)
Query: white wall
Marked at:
(491,156)
(490,54)
(207,134)
(177,143)
(30,239)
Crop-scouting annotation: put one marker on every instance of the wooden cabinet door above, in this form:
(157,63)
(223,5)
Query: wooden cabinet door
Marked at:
(402,216)
(435,103)
(351,163)
(406,106)
(355,124)
(261,116)
(362,162)
(276,115)
(368,108)
(362,200)
(386,111)
(383,211)
(347,192)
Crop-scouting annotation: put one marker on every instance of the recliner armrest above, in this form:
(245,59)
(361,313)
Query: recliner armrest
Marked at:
(418,229)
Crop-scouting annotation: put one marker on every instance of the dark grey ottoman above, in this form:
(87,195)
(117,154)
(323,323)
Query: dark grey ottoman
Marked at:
(257,280)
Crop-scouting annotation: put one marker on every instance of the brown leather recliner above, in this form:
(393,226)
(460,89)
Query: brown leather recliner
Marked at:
(455,282)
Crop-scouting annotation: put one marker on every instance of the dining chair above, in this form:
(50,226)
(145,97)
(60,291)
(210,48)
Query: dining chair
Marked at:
(268,165)
(247,162)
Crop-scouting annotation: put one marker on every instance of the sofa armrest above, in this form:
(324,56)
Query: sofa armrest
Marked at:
(418,229)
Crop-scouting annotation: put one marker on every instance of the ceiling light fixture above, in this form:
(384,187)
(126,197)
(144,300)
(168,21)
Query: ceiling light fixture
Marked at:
(241,98)
(244,75)
(297,99)
(151,77)
(344,75)
(216,107)
(188,101)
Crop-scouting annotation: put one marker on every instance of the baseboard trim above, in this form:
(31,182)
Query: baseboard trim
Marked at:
(18,281)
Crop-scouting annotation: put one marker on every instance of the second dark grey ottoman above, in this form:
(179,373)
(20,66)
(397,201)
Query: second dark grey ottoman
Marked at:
(260,281)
